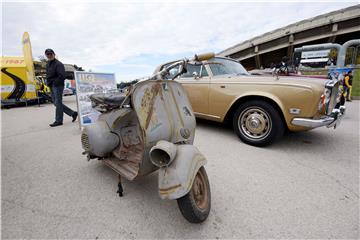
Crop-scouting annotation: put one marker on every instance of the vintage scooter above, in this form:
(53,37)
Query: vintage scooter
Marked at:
(152,127)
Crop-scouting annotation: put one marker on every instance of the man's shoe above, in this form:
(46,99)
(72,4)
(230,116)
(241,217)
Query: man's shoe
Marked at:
(74,116)
(55,124)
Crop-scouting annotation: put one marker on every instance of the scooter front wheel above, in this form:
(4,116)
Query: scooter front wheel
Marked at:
(195,205)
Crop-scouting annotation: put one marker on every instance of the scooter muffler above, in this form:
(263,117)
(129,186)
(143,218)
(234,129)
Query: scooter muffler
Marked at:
(163,153)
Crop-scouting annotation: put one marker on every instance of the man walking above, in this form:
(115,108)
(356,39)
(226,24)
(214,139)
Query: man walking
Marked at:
(55,77)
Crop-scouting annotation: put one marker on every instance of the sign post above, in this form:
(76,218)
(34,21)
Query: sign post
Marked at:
(88,83)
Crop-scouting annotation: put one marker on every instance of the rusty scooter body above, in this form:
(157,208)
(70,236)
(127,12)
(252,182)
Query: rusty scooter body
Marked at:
(151,128)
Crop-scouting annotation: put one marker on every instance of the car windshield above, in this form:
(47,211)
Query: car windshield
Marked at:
(222,66)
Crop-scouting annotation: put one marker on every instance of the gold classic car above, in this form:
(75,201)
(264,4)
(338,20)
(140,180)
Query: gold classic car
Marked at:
(261,108)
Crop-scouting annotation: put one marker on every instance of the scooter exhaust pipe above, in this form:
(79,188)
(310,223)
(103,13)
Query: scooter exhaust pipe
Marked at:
(163,153)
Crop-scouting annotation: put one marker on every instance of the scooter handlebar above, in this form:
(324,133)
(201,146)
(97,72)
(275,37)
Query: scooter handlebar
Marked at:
(203,57)
(197,58)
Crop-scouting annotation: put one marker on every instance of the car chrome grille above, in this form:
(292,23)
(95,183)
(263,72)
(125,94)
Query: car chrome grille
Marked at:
(333,98)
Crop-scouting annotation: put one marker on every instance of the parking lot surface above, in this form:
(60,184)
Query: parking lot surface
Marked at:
(304,186)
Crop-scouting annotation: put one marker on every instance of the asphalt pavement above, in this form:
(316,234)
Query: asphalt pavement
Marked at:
(304,186)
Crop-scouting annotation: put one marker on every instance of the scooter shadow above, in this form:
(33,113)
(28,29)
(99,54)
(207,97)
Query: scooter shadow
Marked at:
(142,199)
(142,203)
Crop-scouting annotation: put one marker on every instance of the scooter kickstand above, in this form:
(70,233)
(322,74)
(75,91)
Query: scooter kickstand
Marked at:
(120,188)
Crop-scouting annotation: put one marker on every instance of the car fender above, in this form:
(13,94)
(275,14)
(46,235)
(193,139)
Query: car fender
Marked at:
(261,95)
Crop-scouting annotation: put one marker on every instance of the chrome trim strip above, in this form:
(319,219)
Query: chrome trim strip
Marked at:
(262,83)
(207,115)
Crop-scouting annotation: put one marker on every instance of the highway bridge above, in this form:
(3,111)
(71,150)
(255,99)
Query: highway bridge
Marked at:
(262,51)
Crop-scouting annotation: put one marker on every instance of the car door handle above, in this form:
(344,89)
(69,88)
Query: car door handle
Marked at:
(222,86)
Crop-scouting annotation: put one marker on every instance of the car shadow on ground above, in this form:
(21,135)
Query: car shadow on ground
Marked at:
(312,140)
(215,126)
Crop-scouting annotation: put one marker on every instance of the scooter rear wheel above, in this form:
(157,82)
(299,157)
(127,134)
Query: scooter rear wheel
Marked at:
(195,205)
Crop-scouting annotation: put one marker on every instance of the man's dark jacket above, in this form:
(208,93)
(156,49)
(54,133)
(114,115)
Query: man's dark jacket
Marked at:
(55,73)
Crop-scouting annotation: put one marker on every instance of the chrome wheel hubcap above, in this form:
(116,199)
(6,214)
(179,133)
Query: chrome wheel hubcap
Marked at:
(255,123)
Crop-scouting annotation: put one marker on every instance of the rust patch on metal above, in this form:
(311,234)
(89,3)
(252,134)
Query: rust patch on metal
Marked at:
(127,166)
(169,189)
(129,136)
(148,101)
(177,108)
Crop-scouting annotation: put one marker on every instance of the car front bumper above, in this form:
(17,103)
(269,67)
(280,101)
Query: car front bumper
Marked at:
(329,121)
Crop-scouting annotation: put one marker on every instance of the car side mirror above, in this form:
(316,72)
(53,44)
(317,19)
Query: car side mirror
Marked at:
(196,75)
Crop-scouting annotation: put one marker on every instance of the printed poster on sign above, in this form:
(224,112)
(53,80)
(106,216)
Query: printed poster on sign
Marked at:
(88,83)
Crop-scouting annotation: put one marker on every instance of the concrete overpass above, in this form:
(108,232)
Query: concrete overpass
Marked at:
(334,27)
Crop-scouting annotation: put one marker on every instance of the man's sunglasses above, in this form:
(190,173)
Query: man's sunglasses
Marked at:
(49,54)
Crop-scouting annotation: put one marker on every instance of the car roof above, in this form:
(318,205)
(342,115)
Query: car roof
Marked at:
(158,68)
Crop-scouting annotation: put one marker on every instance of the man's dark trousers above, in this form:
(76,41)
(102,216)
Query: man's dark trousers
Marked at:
(56,95)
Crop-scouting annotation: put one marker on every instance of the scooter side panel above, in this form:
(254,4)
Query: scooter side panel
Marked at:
(164,112)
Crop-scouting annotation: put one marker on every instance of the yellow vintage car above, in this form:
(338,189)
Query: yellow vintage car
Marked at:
(261,108)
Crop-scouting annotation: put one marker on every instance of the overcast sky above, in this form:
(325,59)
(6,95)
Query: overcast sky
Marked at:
(131,39)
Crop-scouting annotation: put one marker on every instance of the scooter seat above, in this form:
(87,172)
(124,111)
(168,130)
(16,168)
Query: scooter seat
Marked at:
(107,100)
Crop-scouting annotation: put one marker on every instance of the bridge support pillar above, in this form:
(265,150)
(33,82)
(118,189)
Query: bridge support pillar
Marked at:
(290,49)
(332,39)
(334,29)
(257,58)
(258,61)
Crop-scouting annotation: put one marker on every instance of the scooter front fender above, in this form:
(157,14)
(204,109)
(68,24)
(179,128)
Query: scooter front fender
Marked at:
(176,180)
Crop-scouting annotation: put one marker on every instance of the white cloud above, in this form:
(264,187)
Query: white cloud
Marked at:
(97,34)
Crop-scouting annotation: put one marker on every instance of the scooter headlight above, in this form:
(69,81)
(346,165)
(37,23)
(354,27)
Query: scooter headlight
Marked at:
(163,153)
